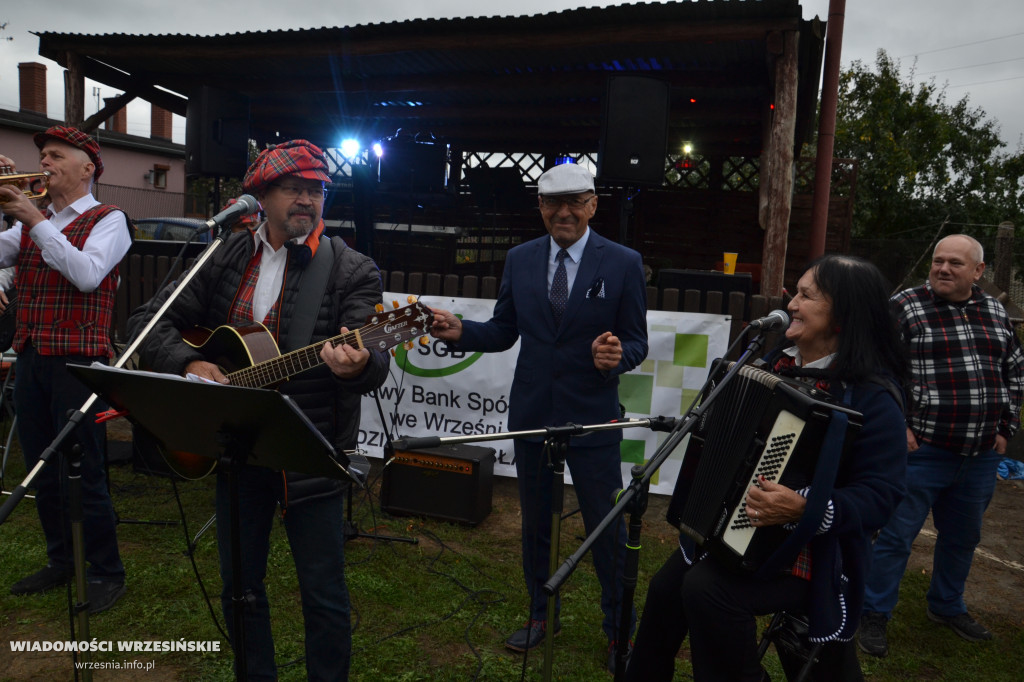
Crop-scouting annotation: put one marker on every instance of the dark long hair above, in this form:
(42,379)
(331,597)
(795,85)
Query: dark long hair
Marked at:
(869,338)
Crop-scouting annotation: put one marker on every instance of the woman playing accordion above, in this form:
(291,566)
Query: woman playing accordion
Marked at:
(843,338)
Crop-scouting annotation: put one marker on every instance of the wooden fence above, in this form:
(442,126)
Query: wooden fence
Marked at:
(143,275)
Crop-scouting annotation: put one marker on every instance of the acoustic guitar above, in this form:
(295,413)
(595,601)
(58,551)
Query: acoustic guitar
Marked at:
(249,356)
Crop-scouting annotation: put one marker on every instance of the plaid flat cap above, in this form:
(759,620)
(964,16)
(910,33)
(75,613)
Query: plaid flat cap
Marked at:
(297,157)
(75,138)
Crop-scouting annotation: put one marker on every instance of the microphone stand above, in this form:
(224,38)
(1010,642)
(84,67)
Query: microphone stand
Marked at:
(179,258)
(75,418)
(634,500)
(556,445)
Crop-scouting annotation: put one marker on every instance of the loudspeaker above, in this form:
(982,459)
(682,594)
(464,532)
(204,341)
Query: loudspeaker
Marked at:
(634,130)
(451,482)
(411,166)
(217,133)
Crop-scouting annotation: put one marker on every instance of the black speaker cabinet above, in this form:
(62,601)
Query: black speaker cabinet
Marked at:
(634,129)
(451,482)
(411,166)
(217,133)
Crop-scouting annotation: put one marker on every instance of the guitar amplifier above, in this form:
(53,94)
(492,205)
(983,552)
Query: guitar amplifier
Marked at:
(450,482)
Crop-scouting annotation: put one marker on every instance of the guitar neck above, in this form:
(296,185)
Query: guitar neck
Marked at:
(383,330)
(278,369)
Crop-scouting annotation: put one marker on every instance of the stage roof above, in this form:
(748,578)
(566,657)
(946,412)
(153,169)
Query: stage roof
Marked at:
(516,83)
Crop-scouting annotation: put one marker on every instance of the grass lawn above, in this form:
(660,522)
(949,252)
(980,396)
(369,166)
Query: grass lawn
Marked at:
(436,610)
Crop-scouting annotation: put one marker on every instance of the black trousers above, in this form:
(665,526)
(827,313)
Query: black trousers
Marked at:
(717,609)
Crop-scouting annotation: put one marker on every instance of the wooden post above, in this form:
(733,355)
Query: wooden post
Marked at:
(74,92)
(774,45)
(780,178)
(827,127)
(1004,256)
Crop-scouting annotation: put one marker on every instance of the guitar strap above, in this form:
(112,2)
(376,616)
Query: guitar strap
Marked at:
(311,293)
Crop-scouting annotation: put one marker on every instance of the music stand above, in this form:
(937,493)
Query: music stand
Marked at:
(232,424)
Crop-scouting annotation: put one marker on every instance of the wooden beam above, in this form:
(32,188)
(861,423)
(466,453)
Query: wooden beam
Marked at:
(74,91)
(518,36)
(136,85)
(579,83)
(780,177)
(113,105)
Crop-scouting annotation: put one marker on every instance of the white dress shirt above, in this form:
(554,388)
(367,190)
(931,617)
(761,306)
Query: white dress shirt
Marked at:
(104,248)
(572,263)
(271,275)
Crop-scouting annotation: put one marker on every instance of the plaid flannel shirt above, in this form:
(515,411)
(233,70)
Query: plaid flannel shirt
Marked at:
(967,369)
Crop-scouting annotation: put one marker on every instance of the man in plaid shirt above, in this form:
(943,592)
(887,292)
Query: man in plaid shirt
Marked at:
(968,386)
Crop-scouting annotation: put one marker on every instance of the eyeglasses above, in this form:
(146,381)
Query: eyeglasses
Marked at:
(571,202)
(294,192)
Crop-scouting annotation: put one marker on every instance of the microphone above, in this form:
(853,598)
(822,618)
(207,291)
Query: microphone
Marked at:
(775,321)
(244,205)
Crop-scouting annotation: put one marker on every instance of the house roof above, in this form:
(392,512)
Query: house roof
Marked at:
(32,122)
(496,83)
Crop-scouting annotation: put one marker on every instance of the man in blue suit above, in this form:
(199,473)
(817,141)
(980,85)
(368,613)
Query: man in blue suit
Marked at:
(578,302)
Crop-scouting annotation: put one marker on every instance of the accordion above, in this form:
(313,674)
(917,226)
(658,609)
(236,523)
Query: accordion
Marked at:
(758,425)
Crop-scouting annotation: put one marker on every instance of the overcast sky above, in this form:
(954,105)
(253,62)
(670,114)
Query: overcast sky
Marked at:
(976,47)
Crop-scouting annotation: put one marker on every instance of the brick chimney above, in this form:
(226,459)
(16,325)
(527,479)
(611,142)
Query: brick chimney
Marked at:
(117,123)
(32,86)
(160,123)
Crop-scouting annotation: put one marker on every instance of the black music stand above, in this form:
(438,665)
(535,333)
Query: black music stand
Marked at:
(232,424)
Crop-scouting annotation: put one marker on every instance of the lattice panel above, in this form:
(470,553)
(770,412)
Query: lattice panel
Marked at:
(530,165)
(741,173)
(688,172)
(340,167)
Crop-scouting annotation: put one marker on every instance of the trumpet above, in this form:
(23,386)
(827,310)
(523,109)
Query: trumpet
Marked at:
(36,184)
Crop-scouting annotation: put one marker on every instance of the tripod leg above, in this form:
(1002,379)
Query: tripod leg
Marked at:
(238,601)
(206,526)
(352,530)
(556,454)
(77,518)
(630,573)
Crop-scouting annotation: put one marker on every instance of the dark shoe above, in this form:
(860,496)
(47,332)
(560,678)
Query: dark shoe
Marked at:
(963,625)
(42,580)
(530,636)
(611,656)
(871,637)
(103,594)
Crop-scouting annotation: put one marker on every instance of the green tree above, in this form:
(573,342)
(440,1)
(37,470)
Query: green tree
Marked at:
(921,157)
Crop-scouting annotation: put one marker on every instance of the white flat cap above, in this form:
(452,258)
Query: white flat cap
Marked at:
(565,178)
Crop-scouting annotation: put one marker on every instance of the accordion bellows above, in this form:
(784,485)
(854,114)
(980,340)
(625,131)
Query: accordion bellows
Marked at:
(759,424)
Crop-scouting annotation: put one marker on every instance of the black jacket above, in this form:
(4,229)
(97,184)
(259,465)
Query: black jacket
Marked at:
(332,404)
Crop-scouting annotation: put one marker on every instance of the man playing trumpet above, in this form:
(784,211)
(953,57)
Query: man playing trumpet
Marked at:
(66,277)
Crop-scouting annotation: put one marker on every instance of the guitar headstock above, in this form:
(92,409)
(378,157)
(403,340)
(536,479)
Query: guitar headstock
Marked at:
(387,328)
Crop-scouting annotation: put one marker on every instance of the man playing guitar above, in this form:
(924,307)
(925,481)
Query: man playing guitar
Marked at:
(258,277)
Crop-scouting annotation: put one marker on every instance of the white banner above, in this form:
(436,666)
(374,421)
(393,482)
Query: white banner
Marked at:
(431,392)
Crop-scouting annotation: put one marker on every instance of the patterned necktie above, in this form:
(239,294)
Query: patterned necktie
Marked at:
(559,287)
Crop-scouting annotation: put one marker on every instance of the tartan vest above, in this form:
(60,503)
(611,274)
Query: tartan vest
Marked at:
(52,313)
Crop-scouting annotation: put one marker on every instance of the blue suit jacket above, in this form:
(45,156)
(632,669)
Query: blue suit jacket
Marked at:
(555,379)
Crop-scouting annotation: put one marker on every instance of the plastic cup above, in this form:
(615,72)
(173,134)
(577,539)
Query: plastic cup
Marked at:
(729,259)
